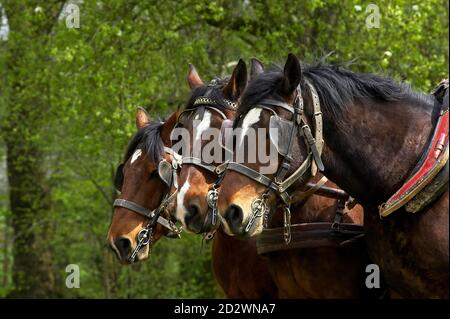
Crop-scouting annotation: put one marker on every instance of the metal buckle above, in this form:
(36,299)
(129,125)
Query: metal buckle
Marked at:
(259,208)
(143,240)
(143,236)
(210,235)
(211,199)
(335,226)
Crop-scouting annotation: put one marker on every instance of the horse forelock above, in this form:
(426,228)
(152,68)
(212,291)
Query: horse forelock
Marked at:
(149,139)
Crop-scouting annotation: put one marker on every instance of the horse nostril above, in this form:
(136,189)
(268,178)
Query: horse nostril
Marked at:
(234,216)
(123,245)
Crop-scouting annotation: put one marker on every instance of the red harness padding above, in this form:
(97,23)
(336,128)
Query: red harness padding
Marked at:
(436,158)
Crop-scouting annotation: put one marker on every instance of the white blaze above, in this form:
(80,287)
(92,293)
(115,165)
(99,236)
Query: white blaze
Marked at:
(204,124)
(136,155)
(251,118)
(181,210)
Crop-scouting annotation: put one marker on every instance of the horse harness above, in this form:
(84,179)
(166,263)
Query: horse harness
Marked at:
(334,234)
(206,103)
(167,173)
(280,184)
(429,178)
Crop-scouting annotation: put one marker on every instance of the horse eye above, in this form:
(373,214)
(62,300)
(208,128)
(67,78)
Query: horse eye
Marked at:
(153,174)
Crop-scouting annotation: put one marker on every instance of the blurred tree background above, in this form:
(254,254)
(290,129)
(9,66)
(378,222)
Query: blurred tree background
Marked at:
(68,98)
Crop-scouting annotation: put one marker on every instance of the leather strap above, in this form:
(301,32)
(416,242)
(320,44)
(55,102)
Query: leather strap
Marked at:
(218,111)
(272,102)
(312,188)
(308,235)
(119,202)
(200,163)
(318,124)
(299,172)
(249,172)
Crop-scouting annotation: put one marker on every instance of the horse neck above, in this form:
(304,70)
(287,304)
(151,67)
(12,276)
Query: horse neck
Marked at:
(374,146)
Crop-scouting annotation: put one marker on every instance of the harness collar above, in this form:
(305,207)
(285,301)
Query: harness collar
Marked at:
(429,166)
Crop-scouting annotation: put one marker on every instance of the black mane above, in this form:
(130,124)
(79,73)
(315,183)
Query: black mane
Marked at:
(337,88)
(149,138)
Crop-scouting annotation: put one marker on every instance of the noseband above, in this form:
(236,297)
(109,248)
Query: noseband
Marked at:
(280,184)
(145,235)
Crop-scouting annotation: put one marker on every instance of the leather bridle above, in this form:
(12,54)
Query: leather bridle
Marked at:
(212,195)
(280,184)
(154,216)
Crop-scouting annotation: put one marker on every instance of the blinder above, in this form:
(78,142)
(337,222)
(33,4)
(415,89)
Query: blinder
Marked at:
(279,131)
(165,172)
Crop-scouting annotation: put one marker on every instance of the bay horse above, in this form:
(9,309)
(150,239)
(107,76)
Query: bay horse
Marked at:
(142,190)
(298,273)
(143,186)
(240,278)
(375,131)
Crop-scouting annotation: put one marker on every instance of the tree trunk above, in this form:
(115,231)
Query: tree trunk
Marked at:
(30,206)
(26,64)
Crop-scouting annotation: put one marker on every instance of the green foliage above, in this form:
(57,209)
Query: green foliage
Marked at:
(78,90)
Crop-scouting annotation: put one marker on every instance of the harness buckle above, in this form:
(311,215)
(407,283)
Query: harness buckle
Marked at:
(221,168)
(258,209)
(143,240)
(210,235)
(211,199)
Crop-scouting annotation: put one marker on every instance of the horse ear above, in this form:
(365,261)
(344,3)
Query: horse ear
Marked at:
(292,75)
(193,78)
(142,118)
(168,126)
(256,68)
(237,82)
